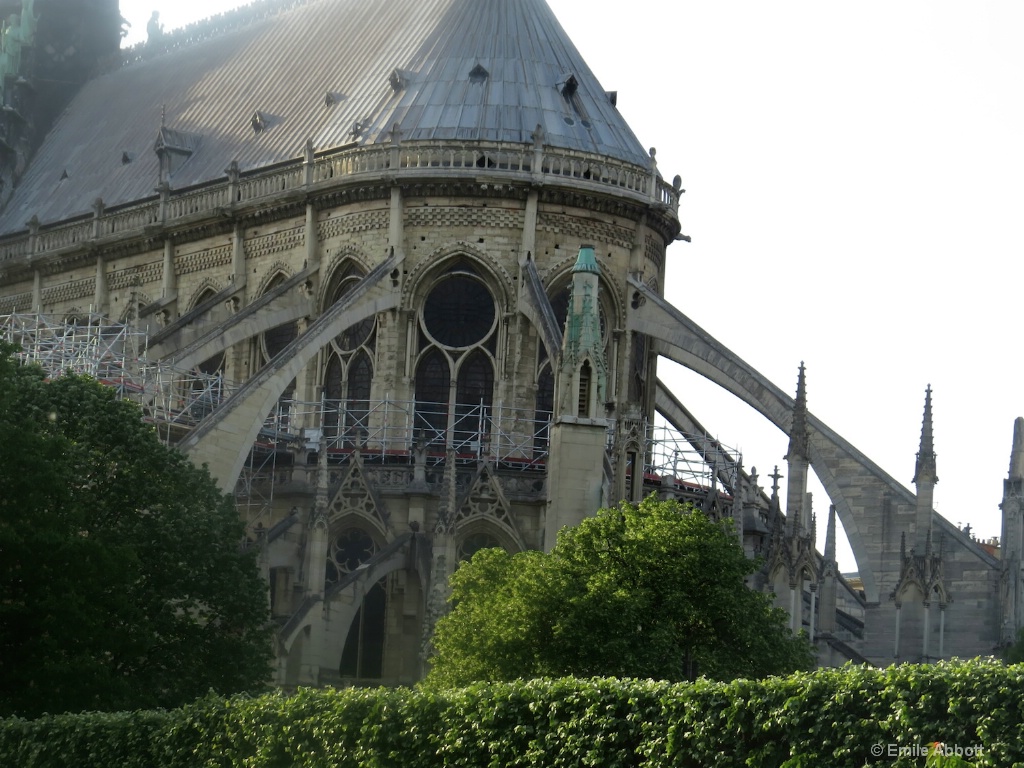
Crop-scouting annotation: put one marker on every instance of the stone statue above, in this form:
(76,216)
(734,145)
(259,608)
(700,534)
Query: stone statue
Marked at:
(154,28)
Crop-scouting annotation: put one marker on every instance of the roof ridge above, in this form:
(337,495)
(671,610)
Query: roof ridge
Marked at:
(208,28)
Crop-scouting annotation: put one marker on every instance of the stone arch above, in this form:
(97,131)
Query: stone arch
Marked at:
(419,281)
(344,258)
(476,526)
(207,284)
(276,270)
(136,301)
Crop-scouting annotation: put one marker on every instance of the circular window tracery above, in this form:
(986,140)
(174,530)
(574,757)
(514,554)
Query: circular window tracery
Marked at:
(459,312)
(348,550)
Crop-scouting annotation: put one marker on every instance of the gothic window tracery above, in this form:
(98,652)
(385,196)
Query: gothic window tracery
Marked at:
(347,551)
(348,373)
(457,345)
(474,542)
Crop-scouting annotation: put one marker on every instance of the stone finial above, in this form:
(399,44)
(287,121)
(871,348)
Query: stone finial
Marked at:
(1017,451)
(925,471)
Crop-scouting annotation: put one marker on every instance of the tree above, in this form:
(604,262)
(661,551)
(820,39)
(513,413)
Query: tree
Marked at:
(123,580)
(654,590)
(1014,652)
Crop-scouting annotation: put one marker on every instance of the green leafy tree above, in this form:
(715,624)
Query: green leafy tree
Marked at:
(1014,652)
(654,590)
(123,583)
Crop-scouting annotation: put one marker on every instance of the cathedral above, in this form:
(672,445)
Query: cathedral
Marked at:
(395,272)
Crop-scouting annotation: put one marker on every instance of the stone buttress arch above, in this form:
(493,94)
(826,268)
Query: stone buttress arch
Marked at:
(223,438)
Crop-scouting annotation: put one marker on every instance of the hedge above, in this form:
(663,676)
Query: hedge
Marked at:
(853,716)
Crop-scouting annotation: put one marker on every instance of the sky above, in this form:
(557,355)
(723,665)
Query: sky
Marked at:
(854,178)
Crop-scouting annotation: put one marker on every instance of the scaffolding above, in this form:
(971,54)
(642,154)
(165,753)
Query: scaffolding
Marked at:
(114,354)
(387,430)
(679,458)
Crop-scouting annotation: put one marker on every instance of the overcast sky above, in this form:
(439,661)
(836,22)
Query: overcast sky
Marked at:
(855,183)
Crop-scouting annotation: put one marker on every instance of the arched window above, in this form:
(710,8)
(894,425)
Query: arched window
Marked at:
(208,383)
(433,375)
(458,340)
(348,373)
(473,401)
(363,654)
(273,342)
(473,543)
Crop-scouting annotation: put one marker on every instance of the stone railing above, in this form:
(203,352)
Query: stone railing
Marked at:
(516,162)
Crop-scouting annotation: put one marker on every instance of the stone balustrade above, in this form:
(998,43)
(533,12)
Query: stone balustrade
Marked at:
(521,163)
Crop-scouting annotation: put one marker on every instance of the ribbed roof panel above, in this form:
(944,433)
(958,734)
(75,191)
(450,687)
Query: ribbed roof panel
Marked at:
(283,66)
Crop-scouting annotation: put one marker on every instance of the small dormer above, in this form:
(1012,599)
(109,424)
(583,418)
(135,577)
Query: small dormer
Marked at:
(174,148)
(569,85)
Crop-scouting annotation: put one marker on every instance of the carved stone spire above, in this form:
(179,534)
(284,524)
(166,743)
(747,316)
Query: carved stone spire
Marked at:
(925,478)
(798,431)
(1017,451)
(830,535)
(925,471)
(798,512)
(583,375)
(829,575)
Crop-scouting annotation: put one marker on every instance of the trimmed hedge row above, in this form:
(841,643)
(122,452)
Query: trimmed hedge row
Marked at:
(844,717)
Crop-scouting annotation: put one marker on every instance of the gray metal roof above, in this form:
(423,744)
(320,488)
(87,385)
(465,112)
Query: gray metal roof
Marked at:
(487,70)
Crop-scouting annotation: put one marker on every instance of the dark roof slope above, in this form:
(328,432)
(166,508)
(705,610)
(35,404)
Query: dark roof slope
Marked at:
(335,71)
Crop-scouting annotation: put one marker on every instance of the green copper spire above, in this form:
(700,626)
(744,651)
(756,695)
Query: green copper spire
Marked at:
(586,261)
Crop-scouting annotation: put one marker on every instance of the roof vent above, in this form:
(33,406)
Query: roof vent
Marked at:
(357,129)
(478,74)
(64,174)
(329,99)
(613,97)
(569,85)
(125,158)
(257,122)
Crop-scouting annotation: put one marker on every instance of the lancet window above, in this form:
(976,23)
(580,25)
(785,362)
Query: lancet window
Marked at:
(274,341)
(348,372)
